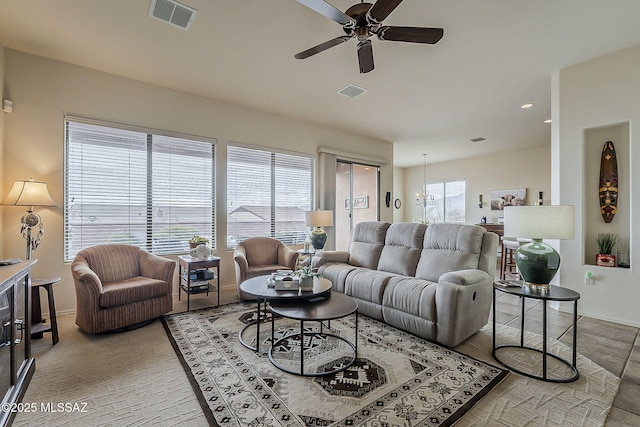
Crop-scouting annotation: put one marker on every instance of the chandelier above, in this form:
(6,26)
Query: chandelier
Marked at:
(425,198)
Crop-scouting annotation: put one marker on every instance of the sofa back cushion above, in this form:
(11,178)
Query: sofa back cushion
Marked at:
(113,263)
(449,247)
(402,247)
(367,241)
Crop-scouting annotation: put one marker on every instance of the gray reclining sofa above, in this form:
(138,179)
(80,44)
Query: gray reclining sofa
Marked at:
(432,281)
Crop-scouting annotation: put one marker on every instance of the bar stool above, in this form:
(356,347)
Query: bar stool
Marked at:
(37,325)
(507,259)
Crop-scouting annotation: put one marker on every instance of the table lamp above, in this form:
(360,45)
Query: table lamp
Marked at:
(30,193)
(319,219)
(537,261)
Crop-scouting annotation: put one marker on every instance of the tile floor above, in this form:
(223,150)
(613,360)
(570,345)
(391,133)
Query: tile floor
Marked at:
(613,346)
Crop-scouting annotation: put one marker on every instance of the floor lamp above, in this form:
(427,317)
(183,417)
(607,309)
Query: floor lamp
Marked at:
(30,193)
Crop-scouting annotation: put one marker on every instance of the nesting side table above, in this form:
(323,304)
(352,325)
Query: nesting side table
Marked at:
(552,293)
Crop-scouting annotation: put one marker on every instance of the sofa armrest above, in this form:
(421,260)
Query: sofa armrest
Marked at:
(155,267)
(463,303)
(466,277)
(322,257)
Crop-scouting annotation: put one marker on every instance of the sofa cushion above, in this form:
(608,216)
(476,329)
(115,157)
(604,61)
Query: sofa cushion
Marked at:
(413,296)
(131,290)
(367,285)
(449,247)
(402,246)
(336,273)
(367,241)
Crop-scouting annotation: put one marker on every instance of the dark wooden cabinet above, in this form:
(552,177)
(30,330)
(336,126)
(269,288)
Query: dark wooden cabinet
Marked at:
(16,364)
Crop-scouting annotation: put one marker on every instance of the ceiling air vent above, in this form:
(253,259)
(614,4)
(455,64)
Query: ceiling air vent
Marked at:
(173,12)
(477,140)
(352,91)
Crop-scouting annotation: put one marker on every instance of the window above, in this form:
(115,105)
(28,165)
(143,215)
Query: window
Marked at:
(267,195)
(448,202)
(129,186)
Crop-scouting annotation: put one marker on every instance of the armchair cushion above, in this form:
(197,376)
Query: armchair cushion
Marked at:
(131,290)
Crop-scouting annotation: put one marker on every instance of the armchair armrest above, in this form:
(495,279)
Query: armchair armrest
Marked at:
(241,263)
(156,267)
(240,257)
(288,257)
(88,284)
(322,257)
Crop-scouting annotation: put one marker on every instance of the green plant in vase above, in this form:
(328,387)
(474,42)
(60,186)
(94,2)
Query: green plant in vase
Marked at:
(305,275)
(606,242)
(196,241)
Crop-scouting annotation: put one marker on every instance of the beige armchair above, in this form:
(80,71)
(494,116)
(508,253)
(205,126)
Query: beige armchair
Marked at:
(119,286)
(258,256)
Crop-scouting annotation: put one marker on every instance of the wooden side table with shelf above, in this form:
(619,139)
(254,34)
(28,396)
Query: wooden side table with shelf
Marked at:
(37,324)
(188,267)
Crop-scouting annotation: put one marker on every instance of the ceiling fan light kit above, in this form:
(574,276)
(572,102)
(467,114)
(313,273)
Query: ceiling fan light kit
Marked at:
(362,21)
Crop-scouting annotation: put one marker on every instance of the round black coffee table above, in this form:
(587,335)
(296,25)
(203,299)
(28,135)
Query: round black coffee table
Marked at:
(260,289)
(333,305)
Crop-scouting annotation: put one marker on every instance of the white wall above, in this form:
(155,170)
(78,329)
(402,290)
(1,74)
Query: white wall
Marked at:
(597,94)
(398,193)
(529,168)
(44,90)
(3,190)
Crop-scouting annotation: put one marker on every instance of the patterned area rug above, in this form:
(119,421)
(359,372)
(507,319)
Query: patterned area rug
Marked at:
(397,379)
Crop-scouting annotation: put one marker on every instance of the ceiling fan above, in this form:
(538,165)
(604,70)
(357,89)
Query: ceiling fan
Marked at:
(363,20)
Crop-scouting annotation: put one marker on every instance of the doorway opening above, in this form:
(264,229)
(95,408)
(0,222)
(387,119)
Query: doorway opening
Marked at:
(357,189)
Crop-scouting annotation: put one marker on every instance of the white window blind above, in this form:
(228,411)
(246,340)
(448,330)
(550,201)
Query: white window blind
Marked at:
(267,195)
(133,187)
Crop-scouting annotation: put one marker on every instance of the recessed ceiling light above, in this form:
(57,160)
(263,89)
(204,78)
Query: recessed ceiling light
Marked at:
(548,121)
(525,106)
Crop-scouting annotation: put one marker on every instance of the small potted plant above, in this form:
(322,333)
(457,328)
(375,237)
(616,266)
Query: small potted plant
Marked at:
(305,276)
(606,242)
(197,241)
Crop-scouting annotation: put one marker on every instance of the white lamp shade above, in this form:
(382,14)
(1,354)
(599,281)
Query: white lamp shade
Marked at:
(29,193)
(539,222)
(319,218)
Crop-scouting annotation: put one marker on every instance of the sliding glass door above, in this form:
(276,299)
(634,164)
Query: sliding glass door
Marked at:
(356,198)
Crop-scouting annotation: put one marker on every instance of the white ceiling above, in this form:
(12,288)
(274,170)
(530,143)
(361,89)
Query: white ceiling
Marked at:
(495,56)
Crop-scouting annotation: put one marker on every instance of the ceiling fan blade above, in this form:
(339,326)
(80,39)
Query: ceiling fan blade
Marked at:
(410,34)
(324,8)
(382,9)
(322,47)
(365,56)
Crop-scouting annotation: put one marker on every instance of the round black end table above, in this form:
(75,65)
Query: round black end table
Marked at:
(544,294)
